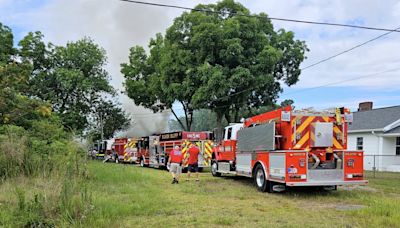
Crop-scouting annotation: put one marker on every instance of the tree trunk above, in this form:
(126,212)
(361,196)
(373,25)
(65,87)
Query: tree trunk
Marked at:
(188,122)
(219,130)
(236,117)
(228,117)
(179,121)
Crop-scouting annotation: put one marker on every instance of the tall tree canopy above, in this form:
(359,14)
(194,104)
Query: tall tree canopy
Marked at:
(70,81)
(225,61)
(7,44)
(71,78)
(16,106)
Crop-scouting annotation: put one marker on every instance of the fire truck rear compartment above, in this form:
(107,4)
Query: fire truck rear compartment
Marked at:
(295,149)
(317,166)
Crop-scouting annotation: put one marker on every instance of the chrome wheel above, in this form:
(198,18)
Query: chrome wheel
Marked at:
(260,178)
(214,169)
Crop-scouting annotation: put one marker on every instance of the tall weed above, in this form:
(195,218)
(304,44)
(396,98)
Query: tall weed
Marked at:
(45,156)
(75,199)
(13,148)
(31,213)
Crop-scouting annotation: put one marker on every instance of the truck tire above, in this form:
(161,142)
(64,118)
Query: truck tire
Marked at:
(214,168)
(262,184)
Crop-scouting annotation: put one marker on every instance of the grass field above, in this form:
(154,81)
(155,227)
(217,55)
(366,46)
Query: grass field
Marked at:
(131,196)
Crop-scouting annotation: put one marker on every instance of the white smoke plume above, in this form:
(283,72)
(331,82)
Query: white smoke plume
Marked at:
(117,26)
(114,25)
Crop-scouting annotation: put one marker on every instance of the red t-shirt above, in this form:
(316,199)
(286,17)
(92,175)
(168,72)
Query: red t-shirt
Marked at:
(176,156)
(193,155)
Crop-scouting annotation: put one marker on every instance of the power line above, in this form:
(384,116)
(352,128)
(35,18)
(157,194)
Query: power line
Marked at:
(325,85)
(258,16)
(342,81)
(311,88)
(348,50)
(319,62)
(282,19)
(146,114)
(388,31)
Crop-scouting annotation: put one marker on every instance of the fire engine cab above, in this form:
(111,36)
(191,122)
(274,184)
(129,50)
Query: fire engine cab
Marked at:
(285,148)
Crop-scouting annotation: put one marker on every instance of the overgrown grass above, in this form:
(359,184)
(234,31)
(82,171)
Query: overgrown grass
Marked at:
(38,151)
(47,197)
(128,196)
(131,196)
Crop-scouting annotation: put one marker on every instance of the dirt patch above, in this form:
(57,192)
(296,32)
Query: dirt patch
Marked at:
(358,187)
(349,207)
(394,195)
(335,206)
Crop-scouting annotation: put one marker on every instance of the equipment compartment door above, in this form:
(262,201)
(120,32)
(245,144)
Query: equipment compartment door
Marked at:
(277,166)
(243,163)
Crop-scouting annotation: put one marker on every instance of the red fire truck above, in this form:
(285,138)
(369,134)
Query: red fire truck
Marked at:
(285,148)
(125,150)
(154,150)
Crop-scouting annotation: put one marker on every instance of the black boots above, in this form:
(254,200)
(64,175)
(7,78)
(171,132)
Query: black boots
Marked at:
(174,181)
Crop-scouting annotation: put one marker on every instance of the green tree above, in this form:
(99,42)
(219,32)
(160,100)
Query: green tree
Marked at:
(220,61)
(287,102)
(72,78)
(7,49)
(16,107)
(108,118)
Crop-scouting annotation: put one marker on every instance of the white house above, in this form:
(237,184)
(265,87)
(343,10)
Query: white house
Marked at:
(376,132)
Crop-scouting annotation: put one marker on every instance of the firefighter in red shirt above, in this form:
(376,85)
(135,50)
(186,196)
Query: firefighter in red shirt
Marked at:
(193,161)
(174,163)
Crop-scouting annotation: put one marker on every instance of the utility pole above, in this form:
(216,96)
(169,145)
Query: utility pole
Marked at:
(101,127)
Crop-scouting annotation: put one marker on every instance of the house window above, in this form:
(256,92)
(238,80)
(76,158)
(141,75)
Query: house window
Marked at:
(398,146)
(359,143)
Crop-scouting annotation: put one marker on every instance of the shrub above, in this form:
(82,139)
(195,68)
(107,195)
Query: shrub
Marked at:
(39,151)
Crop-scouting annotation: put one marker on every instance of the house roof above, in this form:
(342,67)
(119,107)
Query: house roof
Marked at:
(395,130)
(375,119)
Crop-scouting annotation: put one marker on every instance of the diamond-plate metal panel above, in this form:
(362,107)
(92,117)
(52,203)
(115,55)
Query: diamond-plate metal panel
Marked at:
(323,134)
(258,138)
(325,175)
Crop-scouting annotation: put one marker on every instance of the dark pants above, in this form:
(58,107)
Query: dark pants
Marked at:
(193,168)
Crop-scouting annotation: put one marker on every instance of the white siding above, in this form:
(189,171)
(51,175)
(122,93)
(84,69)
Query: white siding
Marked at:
(389,146)
(370,142)
(390,163)
(370,147)
(376,145)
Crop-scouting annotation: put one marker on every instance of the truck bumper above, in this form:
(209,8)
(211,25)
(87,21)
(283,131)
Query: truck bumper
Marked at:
(327,183)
